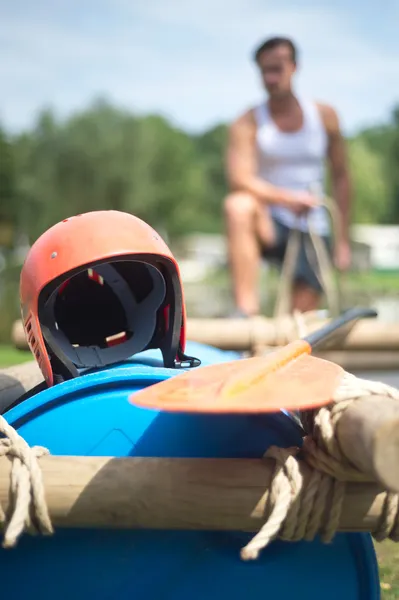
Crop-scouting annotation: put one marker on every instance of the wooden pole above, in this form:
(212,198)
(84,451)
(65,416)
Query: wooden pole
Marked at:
(15,381)
(18,336)
(178,493)
(368,434)
(362,360)
(353,360)
(243,334)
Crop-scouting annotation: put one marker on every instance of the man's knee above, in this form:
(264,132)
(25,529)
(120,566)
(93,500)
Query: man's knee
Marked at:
(240,206)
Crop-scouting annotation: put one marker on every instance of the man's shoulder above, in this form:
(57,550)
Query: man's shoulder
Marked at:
(245,120)
(329,116)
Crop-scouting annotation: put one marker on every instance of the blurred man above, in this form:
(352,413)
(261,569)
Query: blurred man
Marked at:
(276,154)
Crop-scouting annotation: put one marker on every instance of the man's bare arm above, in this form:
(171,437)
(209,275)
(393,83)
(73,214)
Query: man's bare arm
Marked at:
(338,163)
(242,169)
(241,163)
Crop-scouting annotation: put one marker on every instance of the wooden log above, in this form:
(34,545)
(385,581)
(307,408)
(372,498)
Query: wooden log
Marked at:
(354,360)
(18,336)
(15,381)
(177,493)
(362,360)
(244,334)
(368,434)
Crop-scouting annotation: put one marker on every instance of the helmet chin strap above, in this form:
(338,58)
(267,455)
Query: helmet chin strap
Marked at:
(141,323)
(183,361)
(63,368)
(68,360)
(173,356)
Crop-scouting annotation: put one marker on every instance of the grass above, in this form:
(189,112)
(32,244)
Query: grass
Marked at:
(387,552)
(375,282)
(10,356)
(388,561)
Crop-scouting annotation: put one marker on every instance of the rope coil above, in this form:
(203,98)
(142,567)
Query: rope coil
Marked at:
(298,512)
(27,506)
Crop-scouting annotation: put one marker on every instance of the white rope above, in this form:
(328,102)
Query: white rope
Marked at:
(319,260)
(27,503)
(298,512)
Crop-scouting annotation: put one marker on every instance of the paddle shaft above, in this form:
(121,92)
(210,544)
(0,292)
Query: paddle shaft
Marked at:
(349,317)
(289,378)
(321,336)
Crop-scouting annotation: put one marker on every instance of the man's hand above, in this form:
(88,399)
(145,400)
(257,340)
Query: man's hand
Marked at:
(301,202)
(343,255)
(242,170)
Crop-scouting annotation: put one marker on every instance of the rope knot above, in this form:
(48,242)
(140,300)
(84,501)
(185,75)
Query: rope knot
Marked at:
(27,505)
(299,509)
(306,502)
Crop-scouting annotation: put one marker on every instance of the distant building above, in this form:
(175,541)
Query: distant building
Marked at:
(361,256)
(373,247)
(199,254)
(208,248)
(383,242)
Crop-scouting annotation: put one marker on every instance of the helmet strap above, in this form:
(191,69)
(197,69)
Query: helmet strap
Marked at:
(183,361)
(172,353)
(63,368)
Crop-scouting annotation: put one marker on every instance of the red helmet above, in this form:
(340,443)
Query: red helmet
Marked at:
(98,288)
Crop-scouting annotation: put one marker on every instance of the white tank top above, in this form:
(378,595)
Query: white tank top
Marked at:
(294,161)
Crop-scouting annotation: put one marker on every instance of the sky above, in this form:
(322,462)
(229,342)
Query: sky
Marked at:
(192,61)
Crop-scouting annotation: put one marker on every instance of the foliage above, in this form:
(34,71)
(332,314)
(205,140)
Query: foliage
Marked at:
(105,157)
(371,188)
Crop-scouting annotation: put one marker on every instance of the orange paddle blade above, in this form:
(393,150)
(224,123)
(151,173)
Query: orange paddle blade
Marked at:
(253,385)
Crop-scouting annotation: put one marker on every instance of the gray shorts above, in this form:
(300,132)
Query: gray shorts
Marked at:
(303,270)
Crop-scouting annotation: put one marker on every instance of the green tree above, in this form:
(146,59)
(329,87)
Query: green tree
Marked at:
(393,168)
(211,149)
(104,157)
(371,187)
(8,213)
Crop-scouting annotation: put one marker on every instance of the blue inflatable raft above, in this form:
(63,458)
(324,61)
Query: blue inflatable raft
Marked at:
(92,416)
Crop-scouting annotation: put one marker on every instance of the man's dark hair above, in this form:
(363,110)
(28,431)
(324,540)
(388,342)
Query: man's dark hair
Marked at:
(272,43)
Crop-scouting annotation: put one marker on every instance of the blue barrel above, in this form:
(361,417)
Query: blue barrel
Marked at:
(92,416)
